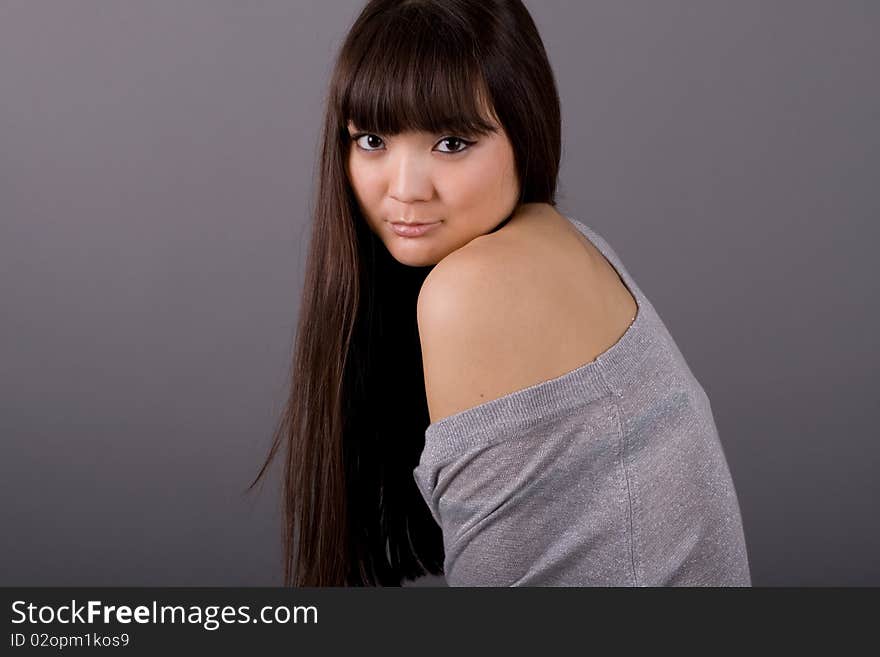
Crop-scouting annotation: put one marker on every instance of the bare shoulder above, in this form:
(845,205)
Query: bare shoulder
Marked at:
(510,312)
(470,318)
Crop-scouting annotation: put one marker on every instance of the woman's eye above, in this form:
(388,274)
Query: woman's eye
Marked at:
(369,142)
(370,139)
(464,145)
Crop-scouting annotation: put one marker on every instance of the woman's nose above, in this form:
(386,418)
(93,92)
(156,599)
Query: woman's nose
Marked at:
(410,179)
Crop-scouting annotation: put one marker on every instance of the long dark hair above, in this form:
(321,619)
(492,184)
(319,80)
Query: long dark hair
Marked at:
(354,423)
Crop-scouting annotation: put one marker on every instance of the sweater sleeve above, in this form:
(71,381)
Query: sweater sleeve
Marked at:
(539,506)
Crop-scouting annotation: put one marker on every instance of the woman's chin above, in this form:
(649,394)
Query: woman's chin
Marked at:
(412,255)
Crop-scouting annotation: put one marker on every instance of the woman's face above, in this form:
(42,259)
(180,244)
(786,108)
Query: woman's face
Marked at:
(465,187)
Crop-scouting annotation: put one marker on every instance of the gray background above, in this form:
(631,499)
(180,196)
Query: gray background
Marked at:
(156,171)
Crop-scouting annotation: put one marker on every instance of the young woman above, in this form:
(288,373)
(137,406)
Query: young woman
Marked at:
(479,388)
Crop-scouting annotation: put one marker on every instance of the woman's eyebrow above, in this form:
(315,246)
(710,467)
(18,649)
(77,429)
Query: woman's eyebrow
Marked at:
(352,128)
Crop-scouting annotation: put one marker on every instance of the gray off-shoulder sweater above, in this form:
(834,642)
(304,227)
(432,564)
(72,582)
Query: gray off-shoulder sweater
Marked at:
(612,474)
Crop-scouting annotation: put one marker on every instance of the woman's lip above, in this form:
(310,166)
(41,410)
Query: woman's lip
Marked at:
(412,229)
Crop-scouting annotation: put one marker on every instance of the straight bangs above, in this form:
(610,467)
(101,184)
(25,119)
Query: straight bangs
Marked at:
(417,71)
